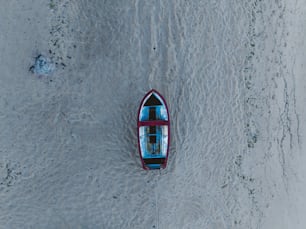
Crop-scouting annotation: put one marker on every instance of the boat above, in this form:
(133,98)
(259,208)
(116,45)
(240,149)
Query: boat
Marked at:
(153,124)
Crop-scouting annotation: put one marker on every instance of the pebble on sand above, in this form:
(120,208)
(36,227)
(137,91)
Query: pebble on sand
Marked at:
(42,66)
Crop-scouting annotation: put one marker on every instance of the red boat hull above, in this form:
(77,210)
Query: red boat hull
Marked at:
(153,125)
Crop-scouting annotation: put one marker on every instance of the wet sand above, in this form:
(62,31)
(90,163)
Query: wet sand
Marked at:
(232,75)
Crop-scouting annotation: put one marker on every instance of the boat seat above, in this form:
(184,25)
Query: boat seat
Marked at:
(154,160)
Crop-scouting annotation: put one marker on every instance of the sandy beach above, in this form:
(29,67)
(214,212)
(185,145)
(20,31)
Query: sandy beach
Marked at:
(233,76)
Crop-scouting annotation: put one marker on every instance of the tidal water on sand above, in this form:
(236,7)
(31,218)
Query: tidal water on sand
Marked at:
(71,159)
(193,53)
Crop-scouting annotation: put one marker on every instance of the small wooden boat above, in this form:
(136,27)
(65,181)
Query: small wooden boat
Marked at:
(153,125)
